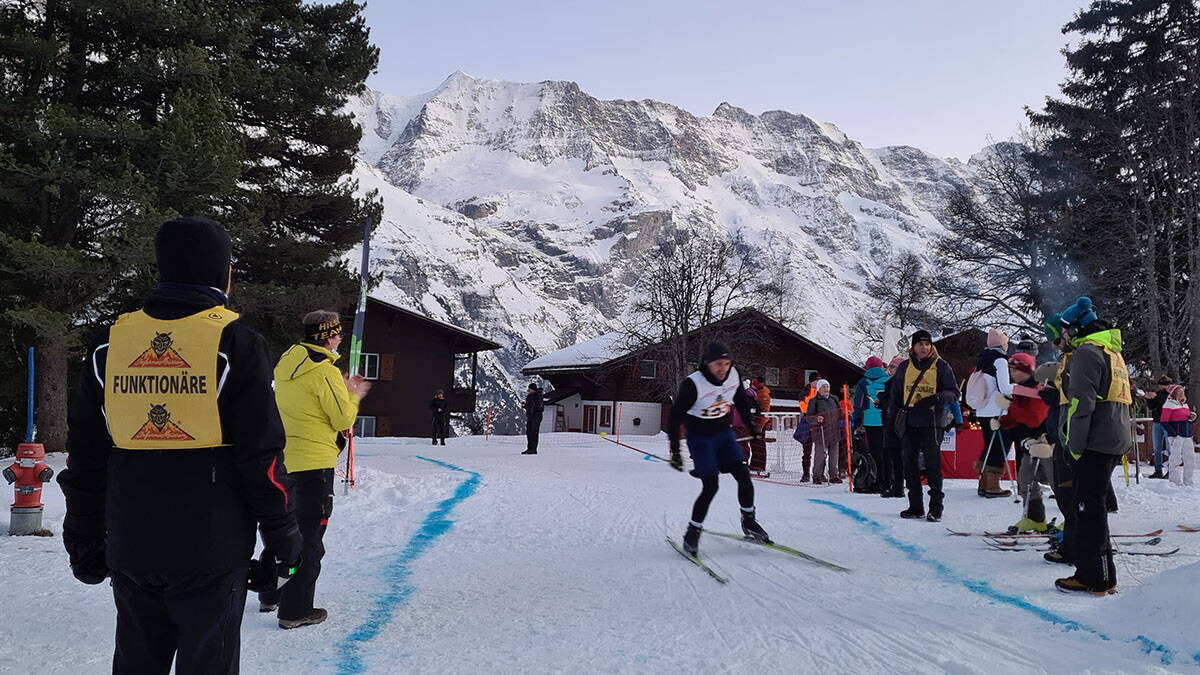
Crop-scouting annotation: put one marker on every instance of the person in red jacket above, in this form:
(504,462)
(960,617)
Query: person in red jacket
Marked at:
(1024,424)
(1027,414)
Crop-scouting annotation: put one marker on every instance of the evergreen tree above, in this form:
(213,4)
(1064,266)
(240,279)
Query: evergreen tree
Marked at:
(117,114)
(1129,121)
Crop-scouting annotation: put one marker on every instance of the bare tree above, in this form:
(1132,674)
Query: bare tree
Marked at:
(1002,262)
(689,283)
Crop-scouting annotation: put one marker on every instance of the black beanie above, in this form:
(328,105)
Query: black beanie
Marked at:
(921,336)
(715,351)
(193,250)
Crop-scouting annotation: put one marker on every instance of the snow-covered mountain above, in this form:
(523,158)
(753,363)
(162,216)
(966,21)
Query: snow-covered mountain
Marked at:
(523,211)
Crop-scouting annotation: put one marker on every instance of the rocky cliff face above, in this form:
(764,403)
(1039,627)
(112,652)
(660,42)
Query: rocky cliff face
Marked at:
(523,211)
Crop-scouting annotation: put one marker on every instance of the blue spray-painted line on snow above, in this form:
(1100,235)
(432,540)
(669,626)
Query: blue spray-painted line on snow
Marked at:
(396,574)
(648,458)
(983,588)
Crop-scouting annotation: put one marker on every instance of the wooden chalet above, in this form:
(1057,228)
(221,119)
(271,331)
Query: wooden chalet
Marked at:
(601,387)
(430,354)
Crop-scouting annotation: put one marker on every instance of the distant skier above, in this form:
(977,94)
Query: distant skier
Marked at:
(703,407)
(437,410)
(535,406)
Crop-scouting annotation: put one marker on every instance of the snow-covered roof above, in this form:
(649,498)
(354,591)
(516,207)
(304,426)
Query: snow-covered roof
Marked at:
(482,343)
(594,352)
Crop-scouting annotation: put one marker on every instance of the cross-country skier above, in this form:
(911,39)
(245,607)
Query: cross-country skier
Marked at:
(703,407)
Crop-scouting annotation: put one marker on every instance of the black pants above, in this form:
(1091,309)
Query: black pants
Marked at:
(875,448)
(1064,494)
(995,447)
(1093,556)
(708,490)
(891,471)
(924,442)
(311,496)
(532,427)
(439,428)
(195,620)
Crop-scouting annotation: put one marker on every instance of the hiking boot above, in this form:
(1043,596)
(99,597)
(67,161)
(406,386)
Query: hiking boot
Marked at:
(691,540)
(1056,558)
(981,490)
(912,513)
(805,478)
(835,481)
(443,441)
(752,529)
(314,617)
(933,517)
(529,452)
(266,607)
(1073,585)
(1157,474)
(435,441)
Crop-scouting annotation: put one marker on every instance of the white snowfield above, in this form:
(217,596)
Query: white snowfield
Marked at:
(487,561)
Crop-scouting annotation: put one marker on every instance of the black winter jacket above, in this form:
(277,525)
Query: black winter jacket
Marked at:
(181,512)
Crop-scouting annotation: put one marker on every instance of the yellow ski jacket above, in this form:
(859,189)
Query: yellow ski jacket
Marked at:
(314,404)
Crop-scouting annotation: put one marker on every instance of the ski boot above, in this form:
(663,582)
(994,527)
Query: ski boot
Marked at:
(752,529)
(691,540)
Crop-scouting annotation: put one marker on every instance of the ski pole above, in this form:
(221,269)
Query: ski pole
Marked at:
(637,450)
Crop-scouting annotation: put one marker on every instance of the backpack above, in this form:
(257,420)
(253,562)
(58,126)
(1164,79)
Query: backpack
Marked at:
(865,471)
(977,390)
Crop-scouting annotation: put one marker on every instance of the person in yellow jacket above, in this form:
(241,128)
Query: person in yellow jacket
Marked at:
(317,404)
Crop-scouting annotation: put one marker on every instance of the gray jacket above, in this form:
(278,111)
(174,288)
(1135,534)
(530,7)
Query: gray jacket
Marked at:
(1091,422)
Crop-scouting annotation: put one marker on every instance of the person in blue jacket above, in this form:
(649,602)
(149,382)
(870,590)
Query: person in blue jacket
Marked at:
(869,415)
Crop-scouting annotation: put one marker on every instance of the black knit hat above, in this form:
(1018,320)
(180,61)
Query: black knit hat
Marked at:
(715,351)
(921,336)
(193,250)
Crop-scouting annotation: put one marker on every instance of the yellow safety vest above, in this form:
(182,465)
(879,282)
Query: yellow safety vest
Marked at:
(160,380)
(925,388)
(1118,383)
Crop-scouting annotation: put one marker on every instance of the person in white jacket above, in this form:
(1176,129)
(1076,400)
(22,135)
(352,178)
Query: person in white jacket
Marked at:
(993,364)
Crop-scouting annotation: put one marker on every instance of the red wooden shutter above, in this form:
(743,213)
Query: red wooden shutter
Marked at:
(386,367)
(383,426)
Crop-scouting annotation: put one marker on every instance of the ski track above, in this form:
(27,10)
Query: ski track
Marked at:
(556,563)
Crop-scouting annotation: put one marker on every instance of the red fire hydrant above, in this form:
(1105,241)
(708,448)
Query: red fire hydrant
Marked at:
(27,474)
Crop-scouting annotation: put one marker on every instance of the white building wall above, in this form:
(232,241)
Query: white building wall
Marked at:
(648,414)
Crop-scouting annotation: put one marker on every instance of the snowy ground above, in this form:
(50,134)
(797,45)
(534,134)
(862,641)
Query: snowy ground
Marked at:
(557,563)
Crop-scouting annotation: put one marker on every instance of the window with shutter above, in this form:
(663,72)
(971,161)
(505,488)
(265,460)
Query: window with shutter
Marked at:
(386,367)
(383,426)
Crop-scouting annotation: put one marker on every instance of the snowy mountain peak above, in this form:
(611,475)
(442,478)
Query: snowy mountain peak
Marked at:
(524,211)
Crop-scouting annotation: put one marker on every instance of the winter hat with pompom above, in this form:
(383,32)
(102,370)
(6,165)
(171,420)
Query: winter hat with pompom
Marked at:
(874,362)
(1079,314)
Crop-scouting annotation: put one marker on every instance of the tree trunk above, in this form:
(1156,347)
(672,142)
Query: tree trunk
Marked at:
(52,395)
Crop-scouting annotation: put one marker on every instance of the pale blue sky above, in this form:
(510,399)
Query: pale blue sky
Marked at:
(940,75)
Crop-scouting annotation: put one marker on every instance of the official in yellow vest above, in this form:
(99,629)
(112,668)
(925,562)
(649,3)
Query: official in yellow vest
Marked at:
(317,404)
(175,454)
(1096,433)
(922,387)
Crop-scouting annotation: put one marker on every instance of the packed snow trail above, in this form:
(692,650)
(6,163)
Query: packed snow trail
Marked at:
(556,563)
(399,571)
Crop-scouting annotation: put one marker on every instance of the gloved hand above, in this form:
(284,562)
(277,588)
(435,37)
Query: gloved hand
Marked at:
(676,460)
(927,402)
(283,541)
(1039,447)
(87,559)
(269,575)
